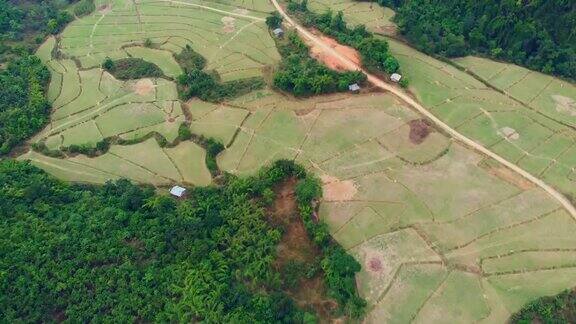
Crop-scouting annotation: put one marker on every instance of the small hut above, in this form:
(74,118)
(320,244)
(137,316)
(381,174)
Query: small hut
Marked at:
(178,192)
(278,32)
(354,88)
(395,77)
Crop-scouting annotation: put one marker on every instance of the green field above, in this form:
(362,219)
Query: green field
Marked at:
(433,223)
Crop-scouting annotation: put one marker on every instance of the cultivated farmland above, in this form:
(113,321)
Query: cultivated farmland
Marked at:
(442,233)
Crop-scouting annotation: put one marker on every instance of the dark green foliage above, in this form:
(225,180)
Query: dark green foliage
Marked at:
(132,68)
(292,272)
(189,60)
(108,64)
(184,132)
(197,83)
(213,148)
(23,107)
(339,267)
(121,253)
(84,7)
(307,190)
(21,20)
(549,310)
(274,21)
(539,34)
(301,75)
(89,150)
(374,51)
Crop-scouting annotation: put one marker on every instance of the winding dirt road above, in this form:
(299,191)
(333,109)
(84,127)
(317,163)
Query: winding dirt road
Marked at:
(408,100)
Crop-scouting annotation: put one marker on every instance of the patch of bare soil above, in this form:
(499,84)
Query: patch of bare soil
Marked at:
(334,189)
(419,130)
(511,177)
(229,24)
(374,261)
(565,105)
(390,30)
(303,112)
(296,246)
(143,87)
(241,11)
(329,60)
(509,133)
(105,9)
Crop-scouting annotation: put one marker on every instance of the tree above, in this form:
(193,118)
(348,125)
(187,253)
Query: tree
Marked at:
(108,64)
(539,35)
(274,21)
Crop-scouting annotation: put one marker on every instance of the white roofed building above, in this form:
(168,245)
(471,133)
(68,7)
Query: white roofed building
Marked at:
(395,77)
(178,191)
(354,87)
(278,32)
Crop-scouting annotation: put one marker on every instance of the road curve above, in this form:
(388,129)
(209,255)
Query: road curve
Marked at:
(408,100)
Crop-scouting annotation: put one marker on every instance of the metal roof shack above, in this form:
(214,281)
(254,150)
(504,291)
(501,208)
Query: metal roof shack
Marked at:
(178,191)
(395,77)
(278,32)
(354,87)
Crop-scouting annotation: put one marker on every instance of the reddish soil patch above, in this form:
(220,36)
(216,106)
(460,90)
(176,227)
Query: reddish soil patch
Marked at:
(329,60)
(375,264)
(511,177)
(296,246)
(229,24)
(334,189)
(143,87)
(419,130)
(171,119)
(104,9)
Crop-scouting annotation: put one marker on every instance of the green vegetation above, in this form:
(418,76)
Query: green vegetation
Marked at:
(339,267)
(24,24)
(132,68)
(302,75)
(274,20)
(555,309)
(197,83)
(212,146)
(190,60)
(23,106)
(134,255)
(84,7)
(374,51)
(539,35)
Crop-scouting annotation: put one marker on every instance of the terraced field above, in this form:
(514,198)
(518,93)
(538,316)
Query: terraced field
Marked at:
(443,233)
(91,105)
(523,116)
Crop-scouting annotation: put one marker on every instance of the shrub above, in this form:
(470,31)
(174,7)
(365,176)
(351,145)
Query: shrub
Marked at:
(132,68)
(190,60)
(84,7)
(274,21)
(184,132)
(303,76)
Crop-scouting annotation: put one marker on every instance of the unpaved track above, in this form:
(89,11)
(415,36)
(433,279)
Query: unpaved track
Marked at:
(408,100)
(215,10)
